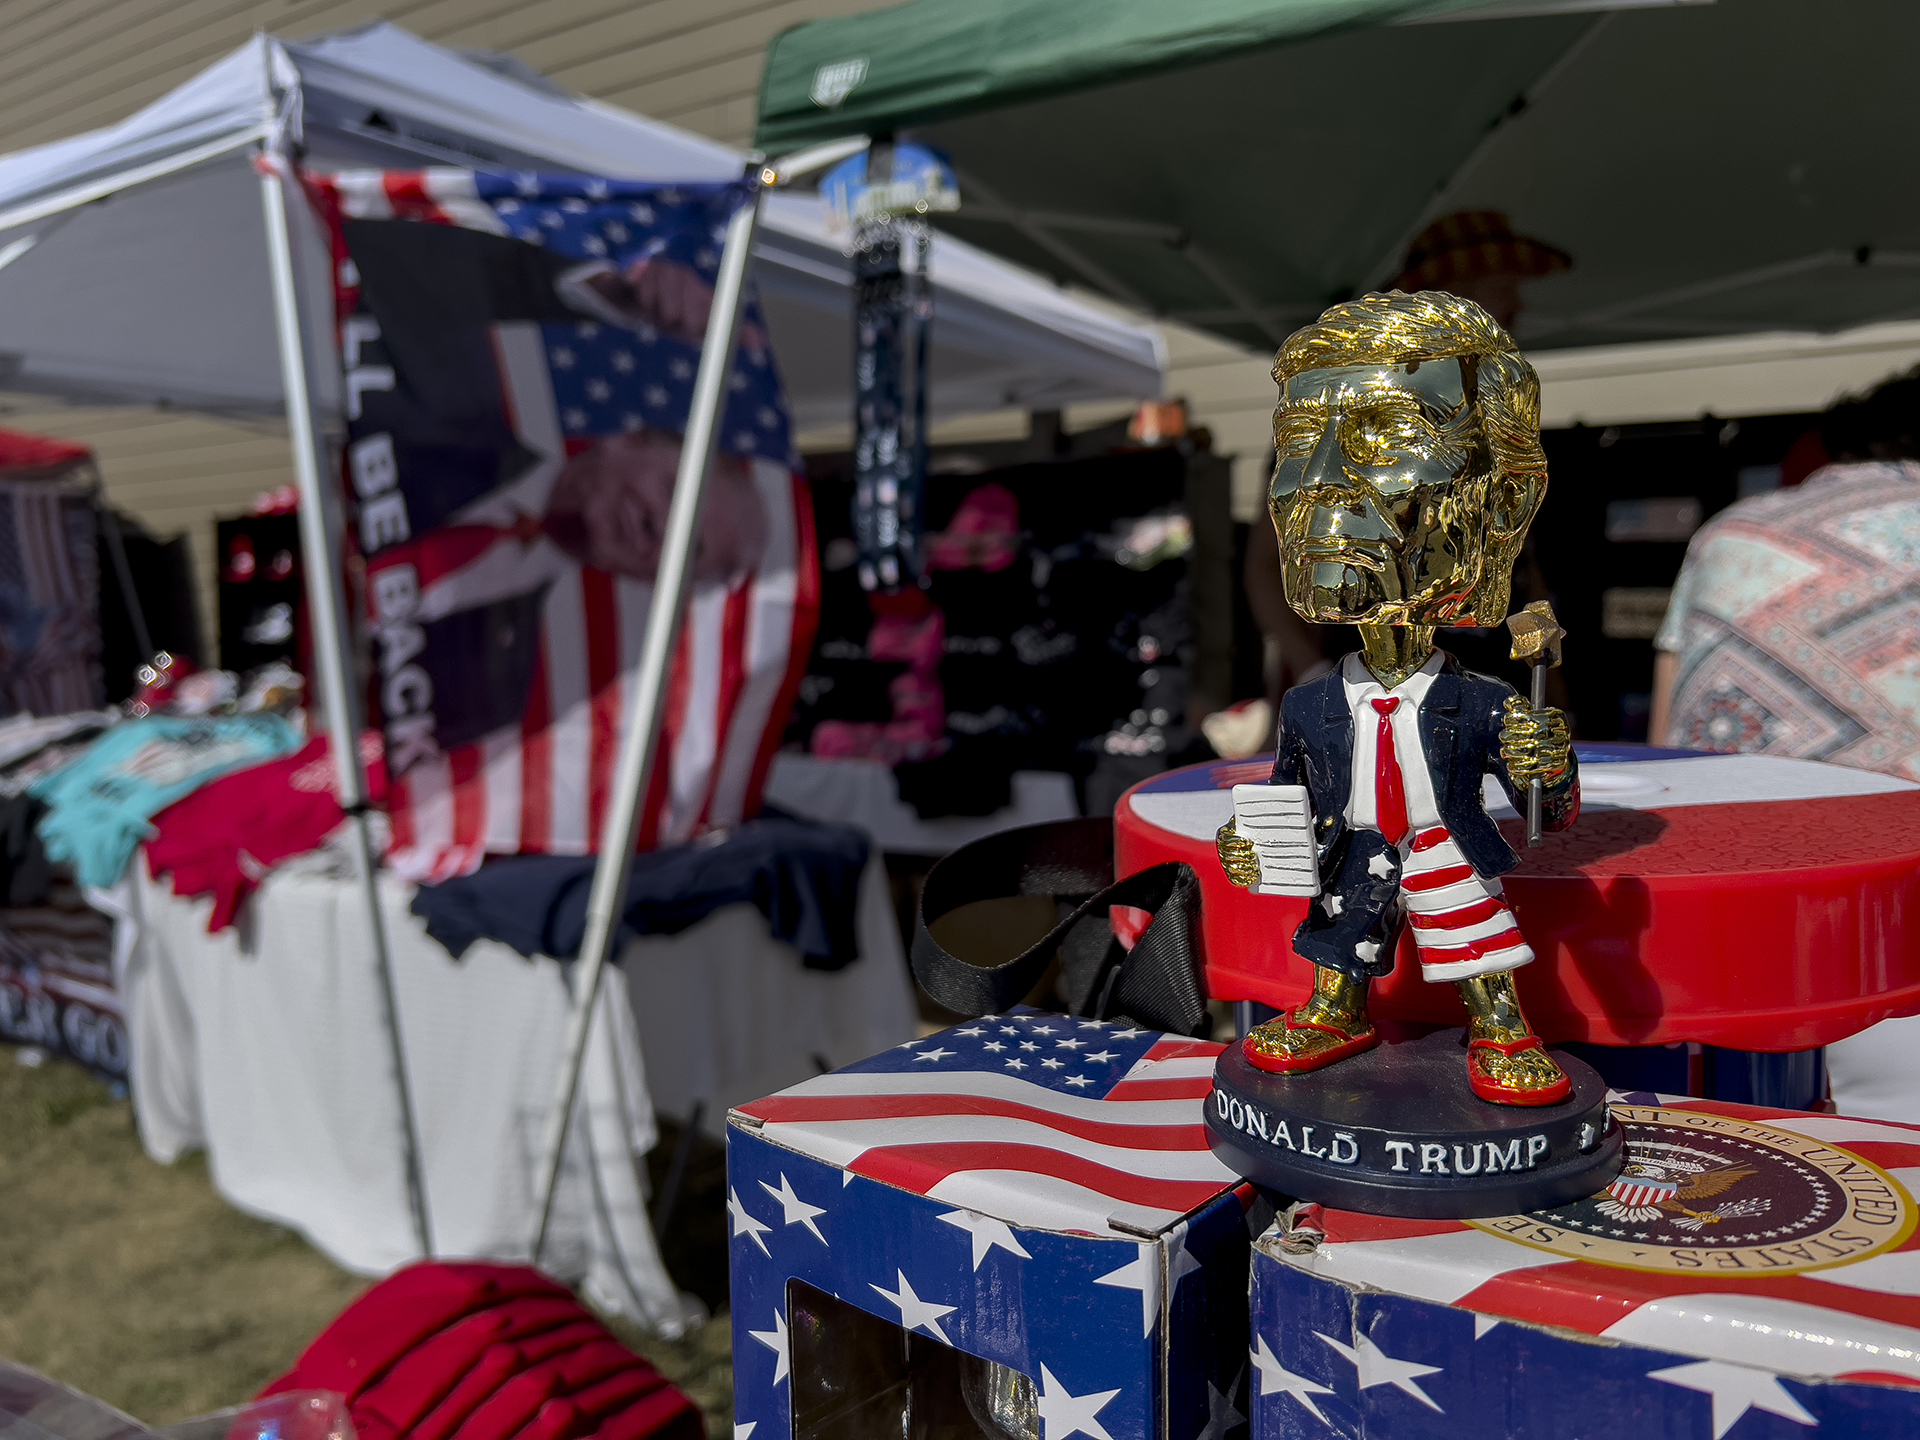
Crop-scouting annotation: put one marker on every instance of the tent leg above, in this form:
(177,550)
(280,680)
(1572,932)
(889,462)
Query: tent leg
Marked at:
(320,555)
(607,899)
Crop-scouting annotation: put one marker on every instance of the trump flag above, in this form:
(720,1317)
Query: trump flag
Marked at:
(518,354)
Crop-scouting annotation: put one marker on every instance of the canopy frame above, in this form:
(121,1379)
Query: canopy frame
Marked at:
(321,556)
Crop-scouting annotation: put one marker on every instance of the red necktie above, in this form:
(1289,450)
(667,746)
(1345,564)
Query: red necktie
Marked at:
(1389,794)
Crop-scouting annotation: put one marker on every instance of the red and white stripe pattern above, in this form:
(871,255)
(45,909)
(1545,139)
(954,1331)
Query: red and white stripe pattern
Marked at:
(1039,1120)
(543,786)
(1858,1321)
(440,196)
(1638,1194)
(1461,924)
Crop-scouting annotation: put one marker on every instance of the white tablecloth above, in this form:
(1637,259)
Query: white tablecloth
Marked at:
(1876,1074)
(727,1014)
(863,793)
(263,1046)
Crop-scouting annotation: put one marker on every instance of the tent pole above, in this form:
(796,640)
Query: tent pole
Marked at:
(123,577)
(618,835)
(320,556)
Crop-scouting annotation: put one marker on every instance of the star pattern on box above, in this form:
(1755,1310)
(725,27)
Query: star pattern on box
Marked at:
(922,1233)
(1010,1043)
(1400,1365)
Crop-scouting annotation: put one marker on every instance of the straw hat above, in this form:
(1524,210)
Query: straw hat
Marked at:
(1470,244)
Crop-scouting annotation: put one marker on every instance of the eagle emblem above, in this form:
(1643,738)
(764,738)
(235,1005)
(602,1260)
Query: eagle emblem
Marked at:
(1666,1181)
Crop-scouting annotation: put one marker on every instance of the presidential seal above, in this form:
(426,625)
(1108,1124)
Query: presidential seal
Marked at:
(1714,1193)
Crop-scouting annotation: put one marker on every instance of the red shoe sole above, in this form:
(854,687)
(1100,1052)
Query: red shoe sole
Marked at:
(1500,1095)
(1283,1066)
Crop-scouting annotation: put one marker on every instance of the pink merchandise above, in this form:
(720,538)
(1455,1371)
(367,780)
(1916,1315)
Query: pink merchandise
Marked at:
(907,630)
(984,533)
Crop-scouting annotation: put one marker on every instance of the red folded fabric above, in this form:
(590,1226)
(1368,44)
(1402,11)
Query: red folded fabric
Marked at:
(486,1352)
(224,837)
(489,1372)
(403,1312)
(439,1364)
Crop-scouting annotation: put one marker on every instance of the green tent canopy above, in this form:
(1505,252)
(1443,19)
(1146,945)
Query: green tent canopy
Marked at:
(1239,164)
(935,59)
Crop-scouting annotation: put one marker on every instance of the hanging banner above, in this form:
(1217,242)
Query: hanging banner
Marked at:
(519,354)
(883,196)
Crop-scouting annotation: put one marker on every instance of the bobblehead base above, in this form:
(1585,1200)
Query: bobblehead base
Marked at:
(1397,1131)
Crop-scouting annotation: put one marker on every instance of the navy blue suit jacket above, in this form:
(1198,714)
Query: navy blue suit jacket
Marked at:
(1460,732)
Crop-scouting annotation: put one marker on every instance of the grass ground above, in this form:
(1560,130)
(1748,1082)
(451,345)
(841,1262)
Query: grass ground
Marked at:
(135,1282)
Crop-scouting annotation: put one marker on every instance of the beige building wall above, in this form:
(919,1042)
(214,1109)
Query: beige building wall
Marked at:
(74,65)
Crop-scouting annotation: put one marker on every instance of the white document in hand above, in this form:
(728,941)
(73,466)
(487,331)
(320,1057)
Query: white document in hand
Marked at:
(1278,819)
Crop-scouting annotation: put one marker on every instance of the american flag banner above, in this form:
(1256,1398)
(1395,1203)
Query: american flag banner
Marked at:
(1753,1274)
(518,356)
(1029,1189)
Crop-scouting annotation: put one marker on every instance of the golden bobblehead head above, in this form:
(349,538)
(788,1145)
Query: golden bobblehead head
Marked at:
(1408,462)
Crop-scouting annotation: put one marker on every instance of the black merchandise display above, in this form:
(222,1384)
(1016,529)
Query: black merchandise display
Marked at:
(1065,648)
(262,609)
(26,875)
(163,586)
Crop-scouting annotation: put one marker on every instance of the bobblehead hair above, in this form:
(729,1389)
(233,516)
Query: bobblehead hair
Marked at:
(1396,328)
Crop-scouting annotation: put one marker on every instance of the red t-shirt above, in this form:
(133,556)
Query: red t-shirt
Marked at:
(224,837)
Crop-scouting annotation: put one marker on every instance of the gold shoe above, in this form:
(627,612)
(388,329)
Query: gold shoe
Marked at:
(1516,1072)
(1331,1026)
(1292,1047)
(1506,1062)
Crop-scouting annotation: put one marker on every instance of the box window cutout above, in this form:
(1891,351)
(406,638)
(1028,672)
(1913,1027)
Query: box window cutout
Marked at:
(857,1376)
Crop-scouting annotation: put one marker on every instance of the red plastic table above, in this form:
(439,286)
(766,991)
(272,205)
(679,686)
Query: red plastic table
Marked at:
(1735,900)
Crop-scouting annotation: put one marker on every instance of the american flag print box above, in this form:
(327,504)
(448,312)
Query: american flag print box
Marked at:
(1753,1274)
(1028,1190)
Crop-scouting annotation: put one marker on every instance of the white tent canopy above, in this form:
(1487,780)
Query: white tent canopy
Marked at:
(158,289)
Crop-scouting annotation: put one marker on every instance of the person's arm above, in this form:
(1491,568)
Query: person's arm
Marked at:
(1666,665)
(1670,642)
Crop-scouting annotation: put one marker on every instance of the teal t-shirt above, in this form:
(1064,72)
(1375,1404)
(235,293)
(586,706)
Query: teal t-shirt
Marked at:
(98,807)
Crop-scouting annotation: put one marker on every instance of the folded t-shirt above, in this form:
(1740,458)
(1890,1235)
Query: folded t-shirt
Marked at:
(97,807)
(802,875)
(224,838)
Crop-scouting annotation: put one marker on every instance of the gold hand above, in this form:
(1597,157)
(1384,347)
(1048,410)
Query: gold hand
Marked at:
(1534,743)
(1237,856)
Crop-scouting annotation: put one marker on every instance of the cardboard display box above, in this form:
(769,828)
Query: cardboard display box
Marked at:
(1754,1274)
(1027,1190)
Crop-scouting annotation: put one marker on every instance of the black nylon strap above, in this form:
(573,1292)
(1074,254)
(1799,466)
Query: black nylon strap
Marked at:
(1156,984)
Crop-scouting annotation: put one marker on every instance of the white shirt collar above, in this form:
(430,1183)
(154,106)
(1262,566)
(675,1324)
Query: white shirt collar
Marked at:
(1362,684)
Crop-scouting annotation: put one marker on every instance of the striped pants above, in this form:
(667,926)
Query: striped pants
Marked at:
(1461,924)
